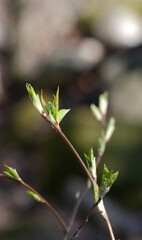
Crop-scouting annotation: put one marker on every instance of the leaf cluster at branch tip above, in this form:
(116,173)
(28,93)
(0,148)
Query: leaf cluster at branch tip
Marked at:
(11,172)
(51,108)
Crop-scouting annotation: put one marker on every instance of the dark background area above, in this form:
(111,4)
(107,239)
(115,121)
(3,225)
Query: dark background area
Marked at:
(86,48)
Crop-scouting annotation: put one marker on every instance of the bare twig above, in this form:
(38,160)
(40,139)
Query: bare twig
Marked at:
(79,200)
(75,235)
(42,200)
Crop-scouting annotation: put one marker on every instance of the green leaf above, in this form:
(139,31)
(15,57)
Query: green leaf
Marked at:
(89,158)
(108,179)
(33,195)
(110,129)
(96,192)
(100,206)
(56,103)
(96,112)
(11,172)
(31,92)
(91,162)
(51,108)
(62,113)
(44,103)
(51,112)
(103,103)
(34,97)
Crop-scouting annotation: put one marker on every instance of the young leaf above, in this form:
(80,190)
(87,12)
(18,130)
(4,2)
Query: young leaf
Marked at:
(44,104)
(89,158)
(11,172)
(101,204)
(96,192)
(35,98)
(96,112)
(62,113)
(56,103)
(51,108)
(108,179)
(91,162)
(33,195)
(51,112)
(110,129)
(103,103)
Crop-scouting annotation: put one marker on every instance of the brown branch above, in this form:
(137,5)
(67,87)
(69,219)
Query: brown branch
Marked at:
(106,219)
(59,131)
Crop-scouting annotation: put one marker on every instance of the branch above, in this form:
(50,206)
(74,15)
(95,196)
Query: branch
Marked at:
(79,200)
(75,235)
(59,131)
(42,200)
(106,219)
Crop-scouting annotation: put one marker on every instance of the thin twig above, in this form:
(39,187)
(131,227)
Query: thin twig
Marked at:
(79,200)
(77,156)
(42,199)
(75,235)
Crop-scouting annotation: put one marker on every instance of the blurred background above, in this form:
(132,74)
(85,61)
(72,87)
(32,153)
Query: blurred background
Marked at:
(86,47)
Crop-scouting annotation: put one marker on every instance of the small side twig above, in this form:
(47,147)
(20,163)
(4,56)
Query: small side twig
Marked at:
(75,235)
(77,205)
(42,200)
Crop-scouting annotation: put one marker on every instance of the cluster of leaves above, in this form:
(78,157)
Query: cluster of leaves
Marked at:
(108,177)
(11,172)
(51,109)
(100,114)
